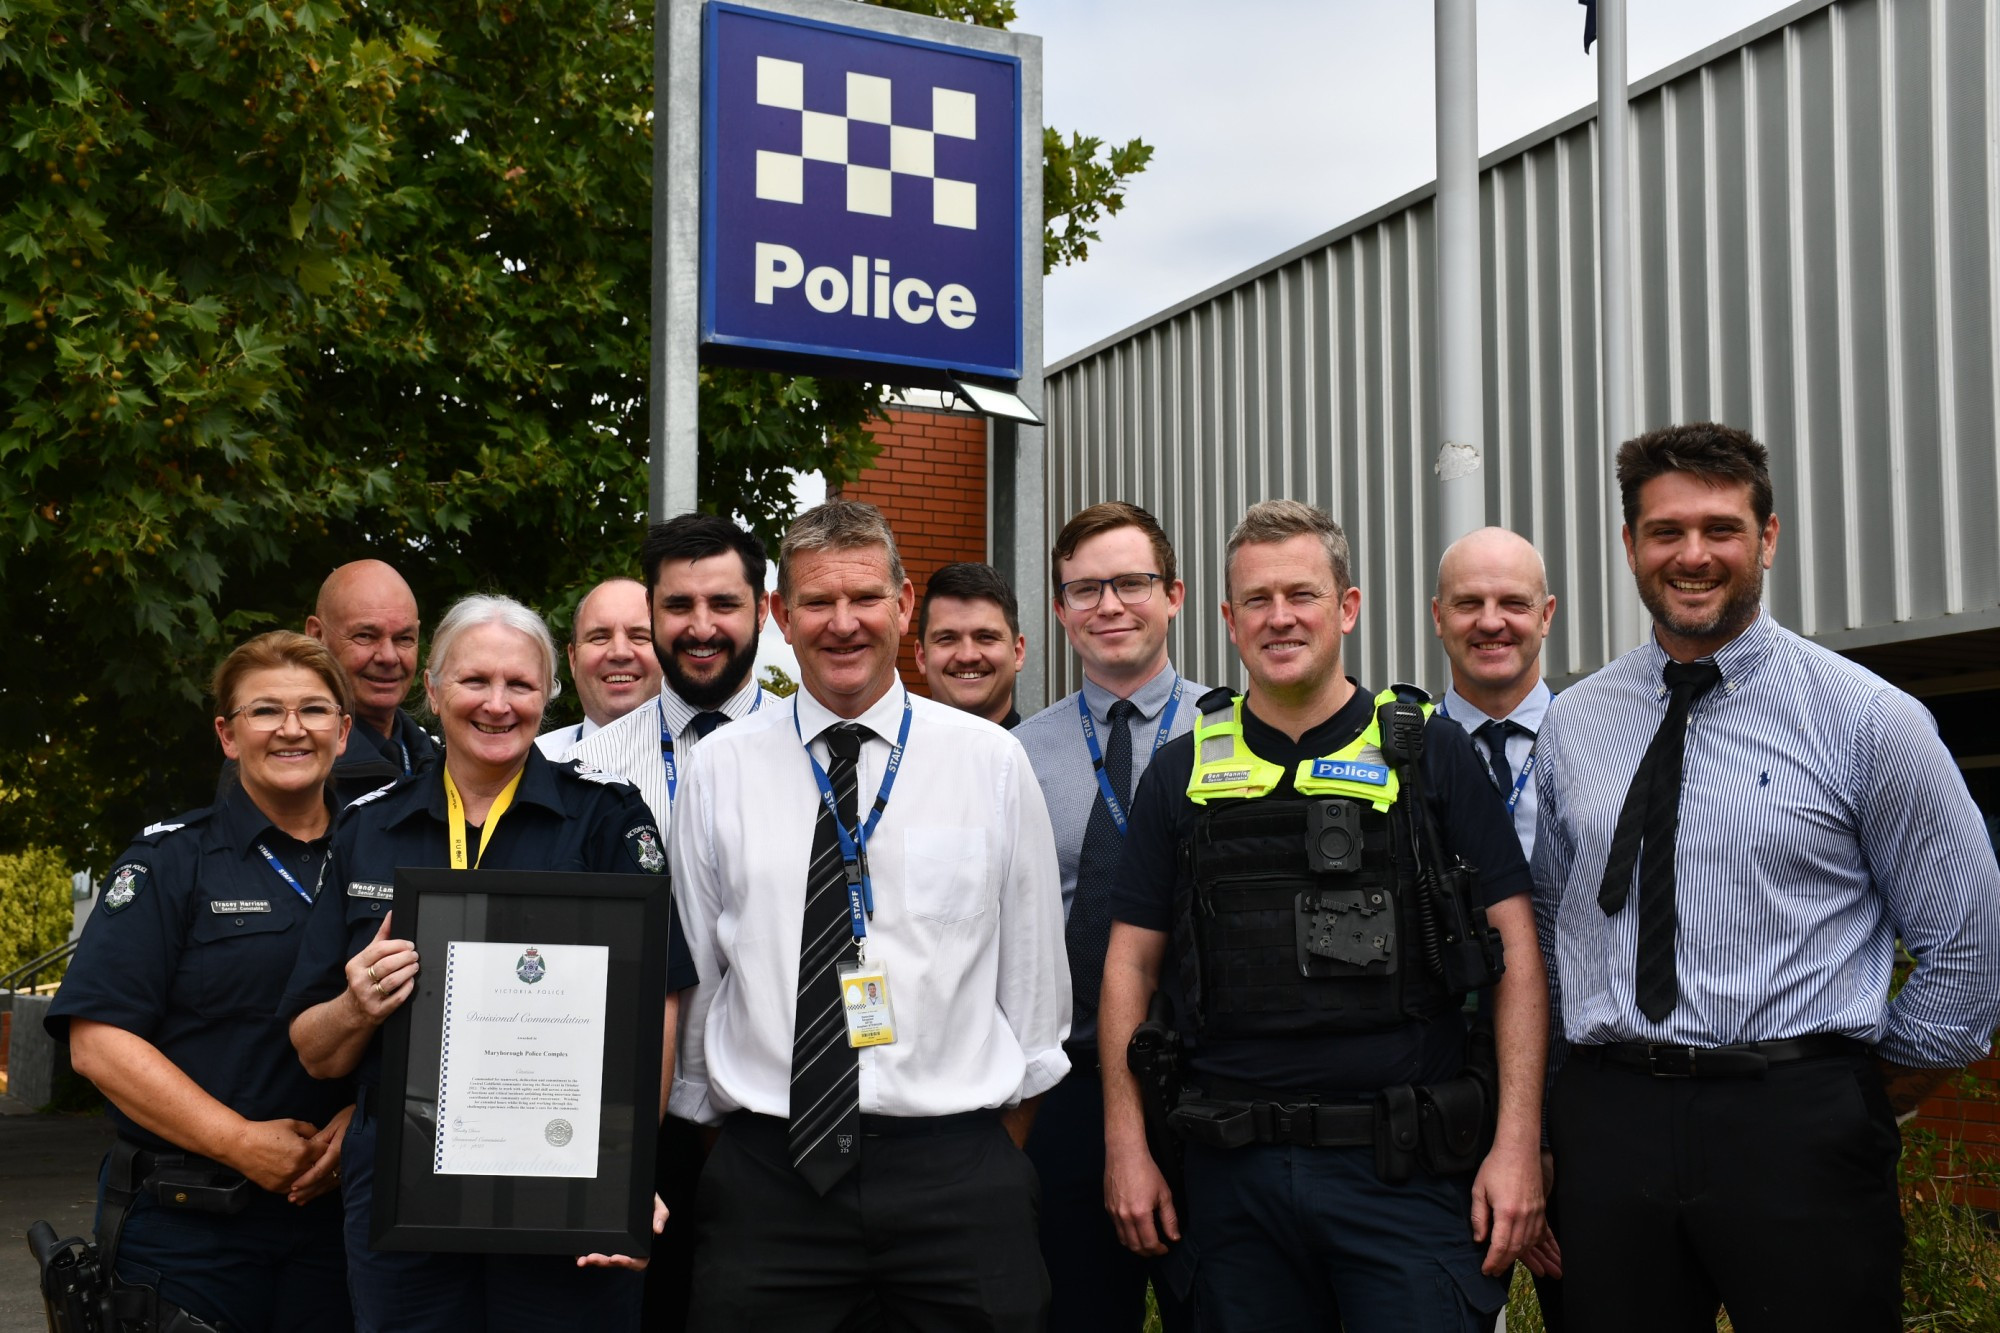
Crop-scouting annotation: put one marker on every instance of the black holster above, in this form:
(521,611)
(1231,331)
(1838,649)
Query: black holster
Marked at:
(1154,1057)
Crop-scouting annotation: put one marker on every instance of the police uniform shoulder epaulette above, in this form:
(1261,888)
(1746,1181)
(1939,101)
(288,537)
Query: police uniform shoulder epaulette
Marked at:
(153,834)
(577,768)
(375,795)
(1216,700)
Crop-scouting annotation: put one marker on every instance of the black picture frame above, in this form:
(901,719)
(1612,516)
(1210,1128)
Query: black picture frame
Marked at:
(417,1209)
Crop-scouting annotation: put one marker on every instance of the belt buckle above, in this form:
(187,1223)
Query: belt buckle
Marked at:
(1664,1060)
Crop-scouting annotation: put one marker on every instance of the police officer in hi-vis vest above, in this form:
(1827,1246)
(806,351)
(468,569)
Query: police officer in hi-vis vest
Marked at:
(1317,877)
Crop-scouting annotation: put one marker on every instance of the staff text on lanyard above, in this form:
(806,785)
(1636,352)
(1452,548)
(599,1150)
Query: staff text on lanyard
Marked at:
(854,843)
(667,744)
(1111,801)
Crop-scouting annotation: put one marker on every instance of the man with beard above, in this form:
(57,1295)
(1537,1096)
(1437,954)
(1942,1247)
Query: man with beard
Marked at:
(611,660)
(1736,828)
(969,641)
(367,615)
(705,585)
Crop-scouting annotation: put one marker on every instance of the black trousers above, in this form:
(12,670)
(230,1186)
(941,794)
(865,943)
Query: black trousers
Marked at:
(1096,1284)
(937,1229)
(670,1274)
(1773,1197)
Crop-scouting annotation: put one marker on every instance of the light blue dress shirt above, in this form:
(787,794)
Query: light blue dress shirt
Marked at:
(1527,715)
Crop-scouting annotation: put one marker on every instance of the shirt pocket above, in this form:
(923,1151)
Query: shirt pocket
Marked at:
(944,874)
(240,961)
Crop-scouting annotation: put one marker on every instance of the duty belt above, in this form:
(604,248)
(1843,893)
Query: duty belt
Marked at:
(1226,1123)
(1748,1059)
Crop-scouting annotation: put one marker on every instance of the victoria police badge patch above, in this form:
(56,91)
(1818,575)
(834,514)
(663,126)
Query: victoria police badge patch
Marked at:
(530,967)
(126,883)
(646,849)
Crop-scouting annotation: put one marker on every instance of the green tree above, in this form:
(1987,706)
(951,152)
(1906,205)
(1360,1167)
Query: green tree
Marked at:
(35,912)
(284,284)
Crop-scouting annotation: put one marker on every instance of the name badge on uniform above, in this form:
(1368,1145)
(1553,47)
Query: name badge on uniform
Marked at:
(237,906)
(864,994)
(380,892)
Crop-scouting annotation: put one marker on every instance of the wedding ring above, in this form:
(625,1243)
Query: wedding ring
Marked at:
(371,975)
(379,990)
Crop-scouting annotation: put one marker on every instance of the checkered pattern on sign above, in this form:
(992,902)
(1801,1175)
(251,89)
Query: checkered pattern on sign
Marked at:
(823,138)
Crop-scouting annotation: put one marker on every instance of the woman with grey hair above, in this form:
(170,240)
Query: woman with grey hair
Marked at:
(495,802)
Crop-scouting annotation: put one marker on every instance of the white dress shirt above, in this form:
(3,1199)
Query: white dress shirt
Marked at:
(630,746)
(968,913)
(1528,716)
(556,745)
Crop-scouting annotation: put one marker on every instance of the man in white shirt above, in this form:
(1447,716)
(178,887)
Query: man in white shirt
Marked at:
(610,659)
(869,1147)
(705,587)
(1117,592)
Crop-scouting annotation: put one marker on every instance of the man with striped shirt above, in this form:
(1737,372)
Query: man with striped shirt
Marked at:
(1736,828)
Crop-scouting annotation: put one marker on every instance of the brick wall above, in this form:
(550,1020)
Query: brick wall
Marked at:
(1969,1116)
(930,481)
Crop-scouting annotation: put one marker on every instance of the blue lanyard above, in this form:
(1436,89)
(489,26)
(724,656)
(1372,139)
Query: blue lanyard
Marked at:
(667,743)
(1111,801)
(854,845)
(406,766)
(285,874)
(1527,767)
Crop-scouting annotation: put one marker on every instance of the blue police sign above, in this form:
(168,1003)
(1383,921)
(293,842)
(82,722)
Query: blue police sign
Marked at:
(861,195)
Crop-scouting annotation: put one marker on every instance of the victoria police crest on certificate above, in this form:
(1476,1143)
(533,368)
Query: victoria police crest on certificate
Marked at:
(522,1065)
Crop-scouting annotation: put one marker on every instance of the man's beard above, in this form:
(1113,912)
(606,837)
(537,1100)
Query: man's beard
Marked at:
(711,693)
(1730,619)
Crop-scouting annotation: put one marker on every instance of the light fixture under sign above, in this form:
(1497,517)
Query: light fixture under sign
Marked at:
(991,402)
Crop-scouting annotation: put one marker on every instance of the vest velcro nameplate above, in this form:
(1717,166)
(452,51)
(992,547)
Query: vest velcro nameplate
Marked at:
(1351,770)
(1223,775)
(238,906)
(361,889)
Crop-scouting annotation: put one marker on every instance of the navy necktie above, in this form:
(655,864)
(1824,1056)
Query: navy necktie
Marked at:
(825,1126)
(1647,826)
(1493,736)
(1088,935)
(706,722)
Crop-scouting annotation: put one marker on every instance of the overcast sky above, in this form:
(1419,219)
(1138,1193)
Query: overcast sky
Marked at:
(1273,121)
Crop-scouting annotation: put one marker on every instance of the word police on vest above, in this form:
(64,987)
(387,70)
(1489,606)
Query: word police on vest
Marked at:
(829,291)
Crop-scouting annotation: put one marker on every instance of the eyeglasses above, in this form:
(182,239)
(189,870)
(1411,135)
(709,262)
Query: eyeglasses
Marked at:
(313,715)
(1132,589)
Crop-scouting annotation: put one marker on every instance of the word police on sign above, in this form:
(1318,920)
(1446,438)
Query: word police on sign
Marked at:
(861,195)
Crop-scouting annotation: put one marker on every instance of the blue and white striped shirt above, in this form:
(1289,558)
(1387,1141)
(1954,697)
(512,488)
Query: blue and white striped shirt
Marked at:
(1821,819)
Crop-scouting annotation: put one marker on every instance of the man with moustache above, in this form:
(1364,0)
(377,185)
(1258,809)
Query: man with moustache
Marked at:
(1737,827)
(705,587)
(1491,612)
(969,641)
(868,1151)
(611,660)
(1116,595)
(1307,891)
(367,616)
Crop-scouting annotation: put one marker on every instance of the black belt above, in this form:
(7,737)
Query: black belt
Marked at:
(1748,1059)
(1218,1122)
(885,1126)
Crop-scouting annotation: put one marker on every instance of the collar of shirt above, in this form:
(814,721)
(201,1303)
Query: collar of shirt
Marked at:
(1149,698)
(584,728)
(681,713)
(1528,713)
(538,787)
(238,825)
(1739,658)
(883,719)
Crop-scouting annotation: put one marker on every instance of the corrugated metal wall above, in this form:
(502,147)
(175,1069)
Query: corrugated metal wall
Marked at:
(1814,247)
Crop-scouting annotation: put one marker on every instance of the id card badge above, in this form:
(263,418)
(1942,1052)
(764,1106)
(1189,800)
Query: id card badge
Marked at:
(864,995)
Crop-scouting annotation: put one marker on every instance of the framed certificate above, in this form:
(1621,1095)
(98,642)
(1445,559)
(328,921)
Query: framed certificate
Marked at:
(521,1082)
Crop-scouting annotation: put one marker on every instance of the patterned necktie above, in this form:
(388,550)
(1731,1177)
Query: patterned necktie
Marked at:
(1645,834)
(1087,937)
(704,723)
(826,1071)
(1493,735)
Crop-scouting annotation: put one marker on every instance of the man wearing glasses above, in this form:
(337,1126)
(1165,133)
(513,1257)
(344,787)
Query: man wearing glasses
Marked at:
(1116,593)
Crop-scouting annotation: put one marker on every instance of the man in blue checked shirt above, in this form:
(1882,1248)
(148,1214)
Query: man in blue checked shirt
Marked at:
(1736,828)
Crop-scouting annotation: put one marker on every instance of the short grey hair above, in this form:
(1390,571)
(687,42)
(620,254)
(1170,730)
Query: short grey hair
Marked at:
(469,613)
(1281,520)
(837,525)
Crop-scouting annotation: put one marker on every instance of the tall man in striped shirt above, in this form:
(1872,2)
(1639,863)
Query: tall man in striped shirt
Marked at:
(1736,828)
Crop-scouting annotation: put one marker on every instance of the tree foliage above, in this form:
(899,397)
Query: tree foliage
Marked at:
(35,910)
(288,283)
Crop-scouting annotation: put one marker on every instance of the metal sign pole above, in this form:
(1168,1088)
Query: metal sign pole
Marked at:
(1625,623)
(672,410)
(1461,374)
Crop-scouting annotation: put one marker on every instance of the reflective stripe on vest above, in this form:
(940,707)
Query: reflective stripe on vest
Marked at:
(1225,768)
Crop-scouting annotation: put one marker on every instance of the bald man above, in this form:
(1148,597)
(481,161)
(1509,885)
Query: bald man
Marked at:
(367,616)
(611,660)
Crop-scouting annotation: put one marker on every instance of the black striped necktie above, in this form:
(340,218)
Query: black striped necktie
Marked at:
(1645,834)
(826,1071)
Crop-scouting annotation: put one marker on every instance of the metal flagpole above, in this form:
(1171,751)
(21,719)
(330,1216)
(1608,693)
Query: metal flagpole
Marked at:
(1624,621)
(1461,373)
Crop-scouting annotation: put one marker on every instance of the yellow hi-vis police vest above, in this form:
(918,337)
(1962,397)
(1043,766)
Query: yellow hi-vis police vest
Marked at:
(1225,768)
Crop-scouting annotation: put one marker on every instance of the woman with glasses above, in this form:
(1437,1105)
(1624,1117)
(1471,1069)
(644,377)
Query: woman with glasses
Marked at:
(495,802)
(170,1008)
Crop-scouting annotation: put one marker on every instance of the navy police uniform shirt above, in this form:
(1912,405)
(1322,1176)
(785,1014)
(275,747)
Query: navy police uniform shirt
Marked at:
(190,947)
(372,760)
(563,817)
(1472,822)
